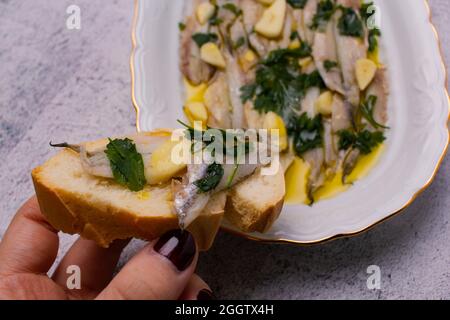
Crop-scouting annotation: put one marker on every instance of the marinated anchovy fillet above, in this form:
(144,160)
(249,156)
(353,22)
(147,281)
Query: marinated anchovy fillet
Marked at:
(192,195)
(236,80)
(218,103)
(316,179)
(309,12)
(235,43)
(252,12)
(192,67)
(350,49)
(330,149)
(253,118)
(379,89)
(289,27)
(341,118)
(326,58)
(308,102)
(95,161)
(355,4)
(350,161)
(188,201)
(297,16)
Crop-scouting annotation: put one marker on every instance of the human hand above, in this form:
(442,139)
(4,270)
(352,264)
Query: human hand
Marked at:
(164,269)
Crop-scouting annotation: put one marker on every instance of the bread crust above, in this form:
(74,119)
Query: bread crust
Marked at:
(243,214)
(247,210)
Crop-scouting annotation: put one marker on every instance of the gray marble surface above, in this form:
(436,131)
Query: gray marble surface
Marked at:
(57,84)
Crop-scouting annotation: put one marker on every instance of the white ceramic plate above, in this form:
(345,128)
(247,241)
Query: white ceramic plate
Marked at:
(418,113)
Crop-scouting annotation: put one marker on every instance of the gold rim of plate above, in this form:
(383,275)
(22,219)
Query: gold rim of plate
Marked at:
(338,236)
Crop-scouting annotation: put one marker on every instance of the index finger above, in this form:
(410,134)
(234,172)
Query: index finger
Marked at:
(30,244)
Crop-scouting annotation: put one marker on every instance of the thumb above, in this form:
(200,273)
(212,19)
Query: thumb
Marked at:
(160,271)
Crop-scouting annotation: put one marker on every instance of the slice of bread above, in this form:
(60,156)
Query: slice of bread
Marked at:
(255,203)
(101,210)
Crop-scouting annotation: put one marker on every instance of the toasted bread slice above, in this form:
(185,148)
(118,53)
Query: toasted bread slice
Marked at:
(255,203)
(101,210)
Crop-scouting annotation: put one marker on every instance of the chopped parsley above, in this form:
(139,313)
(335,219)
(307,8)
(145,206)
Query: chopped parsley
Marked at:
(350,23)
(366,109)
(297,4)
(284,55)
(126,164)
(232,8)
(214,173)
(307,133)
(325,10)
(373,39)
(199,137)
(279,83)
(239,43)
(215,20)
(294,36)
(181,26)
(203,38)
(329,65)
(248,92)
(365,141)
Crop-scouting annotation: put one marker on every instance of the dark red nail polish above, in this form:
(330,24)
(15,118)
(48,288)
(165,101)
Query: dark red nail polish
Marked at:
(178,246)
(205,294)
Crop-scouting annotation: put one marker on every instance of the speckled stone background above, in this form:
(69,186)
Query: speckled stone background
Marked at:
(57,84)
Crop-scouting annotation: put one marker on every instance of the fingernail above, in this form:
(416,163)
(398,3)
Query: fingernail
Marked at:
(205,294)
(178,246)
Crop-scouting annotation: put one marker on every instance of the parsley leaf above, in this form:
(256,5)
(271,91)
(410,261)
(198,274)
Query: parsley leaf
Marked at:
(365,141)
(373,39)
(297,4)
(294,36)
(283,55)
(248,92)
(346,139)
(202,38)
(306,132)
(239,43)
(367,108)
(126,164)
(215,20)
(350,23)
(325,10)
(279,84)
(197,136)
(232,8)
(214,174)
(329,65)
